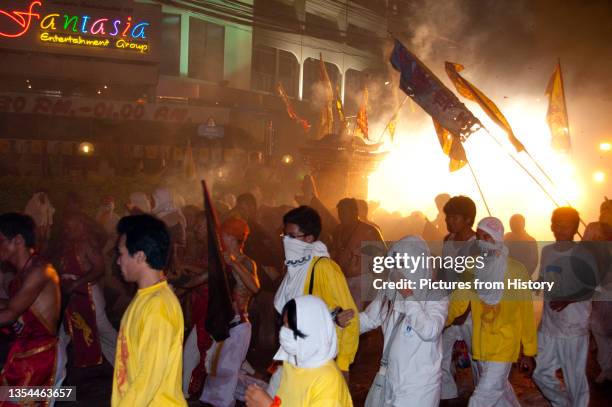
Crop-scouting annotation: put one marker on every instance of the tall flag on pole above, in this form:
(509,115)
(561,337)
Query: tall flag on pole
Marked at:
(451,117)
(362,115)
(220,310)
(471,92)
(418,82)
(326,122)
(290,110)
(556,116)
(452,147)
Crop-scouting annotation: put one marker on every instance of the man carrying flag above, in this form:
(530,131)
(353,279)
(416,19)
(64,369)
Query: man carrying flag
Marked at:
(557,112)
(227,319)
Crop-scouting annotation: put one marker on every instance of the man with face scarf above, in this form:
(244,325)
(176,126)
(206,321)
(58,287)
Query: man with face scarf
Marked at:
(503,322)
(310,378)
(417,346)
(311,271)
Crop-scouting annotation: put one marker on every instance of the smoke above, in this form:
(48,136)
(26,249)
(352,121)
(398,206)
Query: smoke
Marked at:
(509,50)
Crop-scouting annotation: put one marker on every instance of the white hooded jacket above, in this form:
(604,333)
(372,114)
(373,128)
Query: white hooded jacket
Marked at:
(414,369)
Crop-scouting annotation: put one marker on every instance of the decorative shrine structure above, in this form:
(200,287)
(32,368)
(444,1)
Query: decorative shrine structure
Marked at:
(341,166)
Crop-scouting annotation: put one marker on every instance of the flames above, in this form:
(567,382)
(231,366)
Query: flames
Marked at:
(416,170)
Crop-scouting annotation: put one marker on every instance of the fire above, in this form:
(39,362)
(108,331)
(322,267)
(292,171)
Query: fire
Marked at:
(416,170)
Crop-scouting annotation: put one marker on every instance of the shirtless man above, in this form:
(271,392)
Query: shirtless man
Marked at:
(346,248)
(227,357)
(33,309)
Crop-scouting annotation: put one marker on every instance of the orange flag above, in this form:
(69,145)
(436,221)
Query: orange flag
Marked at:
(469,91)
(556,116)
(452,147)
(290,110)
(362,115)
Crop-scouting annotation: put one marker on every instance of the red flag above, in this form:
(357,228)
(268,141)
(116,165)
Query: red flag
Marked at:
(220,310)
(362,115)
(290,110)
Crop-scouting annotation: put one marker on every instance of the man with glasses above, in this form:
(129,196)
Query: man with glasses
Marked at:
(311,271)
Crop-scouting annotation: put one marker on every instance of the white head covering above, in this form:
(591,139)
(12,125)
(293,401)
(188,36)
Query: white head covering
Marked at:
(141,201)
(298,255)
(164,202)
(320,344)
(416,248)
(496,259)
(41,213)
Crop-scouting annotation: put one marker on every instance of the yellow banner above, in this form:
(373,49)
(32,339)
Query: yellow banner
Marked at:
(469,91)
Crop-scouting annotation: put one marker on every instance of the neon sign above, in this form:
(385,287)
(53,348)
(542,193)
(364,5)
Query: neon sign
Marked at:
(66,28)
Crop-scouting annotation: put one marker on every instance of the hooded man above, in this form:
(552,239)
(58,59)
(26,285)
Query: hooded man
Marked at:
(417,345)
(503,322)
(138,203)
(310,271)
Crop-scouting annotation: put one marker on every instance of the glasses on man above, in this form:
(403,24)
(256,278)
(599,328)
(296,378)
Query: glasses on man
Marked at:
(290,236)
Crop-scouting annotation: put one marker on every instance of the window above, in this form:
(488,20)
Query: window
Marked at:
(312,76)
(170,44)
(270,66)
(264,68)
(206,48)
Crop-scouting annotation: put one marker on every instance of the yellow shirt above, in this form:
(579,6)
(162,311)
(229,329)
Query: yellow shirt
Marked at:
(323,386)
(148,365)
(500,330)
(330,285)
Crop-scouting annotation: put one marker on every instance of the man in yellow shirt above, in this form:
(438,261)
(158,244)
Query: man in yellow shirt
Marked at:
(148,365)
(310,271)
(503,320)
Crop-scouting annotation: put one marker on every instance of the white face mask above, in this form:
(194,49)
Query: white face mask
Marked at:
(288,341)
(296,251)
(487,246)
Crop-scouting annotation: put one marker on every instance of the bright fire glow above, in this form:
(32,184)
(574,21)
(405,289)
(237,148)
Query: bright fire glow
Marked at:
(599,176)
(605,146)
(416,170)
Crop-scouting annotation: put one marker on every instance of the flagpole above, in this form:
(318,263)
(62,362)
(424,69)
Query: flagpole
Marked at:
(479,189)
(392,116)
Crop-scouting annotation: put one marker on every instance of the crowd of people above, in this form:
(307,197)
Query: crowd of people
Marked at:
(299,302)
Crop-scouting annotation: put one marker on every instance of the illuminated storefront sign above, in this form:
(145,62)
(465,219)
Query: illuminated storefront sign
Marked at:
(60,26)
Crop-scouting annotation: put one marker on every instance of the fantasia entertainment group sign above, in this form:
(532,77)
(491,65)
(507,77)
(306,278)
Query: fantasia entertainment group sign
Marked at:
(60,27)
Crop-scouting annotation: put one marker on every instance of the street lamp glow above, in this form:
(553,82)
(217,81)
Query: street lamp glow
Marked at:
(287,159)
(86,148)
(605,146)
(599,176)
